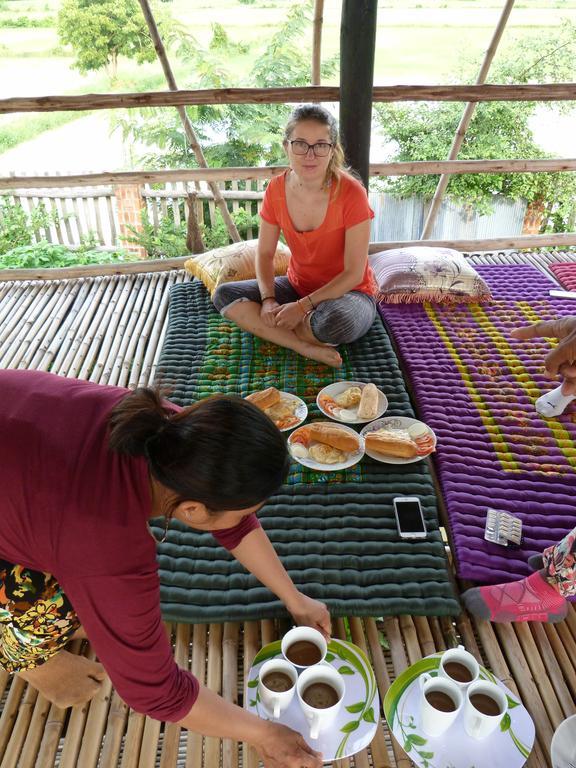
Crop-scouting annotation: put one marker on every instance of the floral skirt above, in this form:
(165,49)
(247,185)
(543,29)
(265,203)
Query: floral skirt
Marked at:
(560,563)
(36,617)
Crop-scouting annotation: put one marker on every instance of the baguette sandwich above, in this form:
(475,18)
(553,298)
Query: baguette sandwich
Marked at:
(265,399)
(389,444)
(334,436)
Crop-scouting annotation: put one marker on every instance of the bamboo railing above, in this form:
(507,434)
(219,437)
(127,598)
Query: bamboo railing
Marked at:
(215,96)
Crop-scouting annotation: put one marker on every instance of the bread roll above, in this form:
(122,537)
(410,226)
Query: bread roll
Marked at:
(334,436)
(349,398)
(389,444)
(266,398)
(368,408)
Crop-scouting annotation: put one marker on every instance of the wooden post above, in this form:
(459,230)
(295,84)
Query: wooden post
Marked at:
(465,120)
(188,129)
(357,45)
(317,42)
(194,241)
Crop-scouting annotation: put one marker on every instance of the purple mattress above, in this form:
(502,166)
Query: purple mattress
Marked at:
(476,387)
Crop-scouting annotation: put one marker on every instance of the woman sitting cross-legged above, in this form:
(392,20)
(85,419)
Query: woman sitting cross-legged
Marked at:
(327,297)
(83,467)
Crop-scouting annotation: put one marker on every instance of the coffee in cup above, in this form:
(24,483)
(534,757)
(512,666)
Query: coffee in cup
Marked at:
(320,691)
(484,707)
(276,685)
(303,647)
(460,666)
(440,705)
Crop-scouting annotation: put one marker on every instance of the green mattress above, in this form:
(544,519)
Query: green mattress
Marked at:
(334,531)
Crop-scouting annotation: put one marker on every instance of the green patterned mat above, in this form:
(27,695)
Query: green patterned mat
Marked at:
(335,532)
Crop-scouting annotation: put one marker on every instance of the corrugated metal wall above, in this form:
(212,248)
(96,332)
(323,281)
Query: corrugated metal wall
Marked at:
(403,219)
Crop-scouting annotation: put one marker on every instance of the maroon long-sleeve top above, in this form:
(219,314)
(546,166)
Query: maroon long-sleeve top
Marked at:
(74,508)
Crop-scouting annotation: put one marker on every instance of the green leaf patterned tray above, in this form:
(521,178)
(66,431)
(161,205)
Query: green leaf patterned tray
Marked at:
(358,718)
(508,747)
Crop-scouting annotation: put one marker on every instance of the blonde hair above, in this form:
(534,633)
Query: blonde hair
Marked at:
(320,115)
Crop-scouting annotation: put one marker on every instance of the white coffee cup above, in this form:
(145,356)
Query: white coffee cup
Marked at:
(434,718)
(319,718)
(276,701)
(478,723)
(459,656)
(304,635)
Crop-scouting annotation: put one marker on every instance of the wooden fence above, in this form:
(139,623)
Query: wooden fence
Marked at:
(82,214)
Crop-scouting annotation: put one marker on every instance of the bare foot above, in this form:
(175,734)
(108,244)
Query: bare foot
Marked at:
(66,679)
(322,353)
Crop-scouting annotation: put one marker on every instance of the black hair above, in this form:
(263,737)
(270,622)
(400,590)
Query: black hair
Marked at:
(222,451)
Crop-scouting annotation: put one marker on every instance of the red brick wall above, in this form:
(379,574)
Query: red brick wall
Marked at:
(129,204)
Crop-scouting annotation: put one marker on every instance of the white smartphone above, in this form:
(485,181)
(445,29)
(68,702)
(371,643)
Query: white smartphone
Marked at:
(409,518)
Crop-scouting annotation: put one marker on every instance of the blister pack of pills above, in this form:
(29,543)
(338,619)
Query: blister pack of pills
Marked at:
(503,528)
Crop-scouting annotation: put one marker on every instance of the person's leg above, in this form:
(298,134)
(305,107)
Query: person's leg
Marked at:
(343,320)
(534,598)
(36,622)
(66,679)
(539,597)
(242,306)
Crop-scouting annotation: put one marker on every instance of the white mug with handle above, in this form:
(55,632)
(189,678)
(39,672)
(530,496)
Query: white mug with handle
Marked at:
(484,707)
(276,685)
(441,702)
(320,691)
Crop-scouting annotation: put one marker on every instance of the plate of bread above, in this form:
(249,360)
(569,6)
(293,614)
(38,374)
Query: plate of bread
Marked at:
(352,402)
(326,447)
(398,440)
(286,410)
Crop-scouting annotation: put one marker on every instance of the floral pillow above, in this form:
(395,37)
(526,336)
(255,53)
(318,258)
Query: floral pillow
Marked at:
(232,262)
(422,273)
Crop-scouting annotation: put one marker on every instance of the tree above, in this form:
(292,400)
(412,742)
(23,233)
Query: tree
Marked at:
(235,134)
(424,131)
(100,31)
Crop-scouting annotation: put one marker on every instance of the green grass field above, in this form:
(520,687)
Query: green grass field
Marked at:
(417,41)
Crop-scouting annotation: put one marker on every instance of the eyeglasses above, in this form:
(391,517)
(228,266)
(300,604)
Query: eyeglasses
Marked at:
(320,149)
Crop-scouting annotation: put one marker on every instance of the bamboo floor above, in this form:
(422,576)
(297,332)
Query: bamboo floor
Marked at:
(110,330)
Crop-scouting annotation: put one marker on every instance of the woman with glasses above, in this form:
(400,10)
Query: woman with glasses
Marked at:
(327,297)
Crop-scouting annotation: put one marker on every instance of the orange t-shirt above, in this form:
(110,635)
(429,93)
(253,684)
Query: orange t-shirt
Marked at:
(318,255)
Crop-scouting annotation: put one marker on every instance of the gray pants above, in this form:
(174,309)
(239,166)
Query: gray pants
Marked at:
(334,321)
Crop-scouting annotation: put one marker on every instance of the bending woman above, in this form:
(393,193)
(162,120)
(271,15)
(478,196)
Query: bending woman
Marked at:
(83,467)
(327,297)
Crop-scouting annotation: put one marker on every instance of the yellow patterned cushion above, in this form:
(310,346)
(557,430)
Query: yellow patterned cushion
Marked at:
(232,262)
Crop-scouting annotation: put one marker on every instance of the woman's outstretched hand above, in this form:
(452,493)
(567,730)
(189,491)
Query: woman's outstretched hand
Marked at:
(311,613)
(289,315)
(268,312)
(282,747)
(562,359)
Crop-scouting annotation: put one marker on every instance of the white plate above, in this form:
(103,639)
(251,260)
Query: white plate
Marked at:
(340,386)
(353,458)
(392,423)
(509,746)
(300,413)
(563,747)
(358,718)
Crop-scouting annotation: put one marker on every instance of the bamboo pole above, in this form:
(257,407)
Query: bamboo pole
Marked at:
(95,726)
(317,42)
(381,93)
(115,728)
(553,669)
(33,738)
(194,740)
(465,119)
(146,321)
(212,744)
(133,740)
(251,645)
(188,129)
(230,686)
(247,173)
(20,728)
(51,738)
(171,742)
